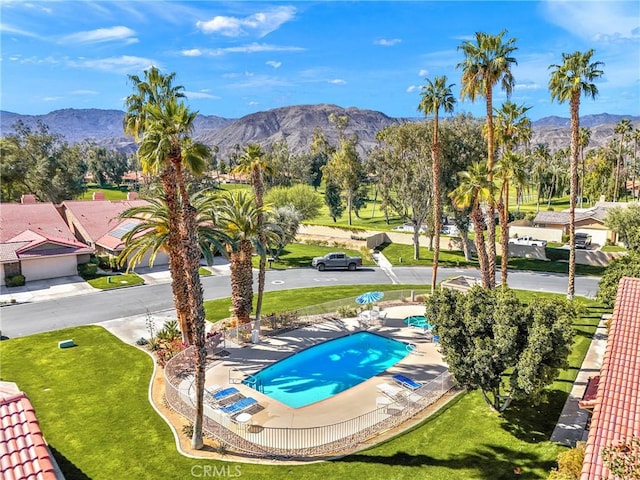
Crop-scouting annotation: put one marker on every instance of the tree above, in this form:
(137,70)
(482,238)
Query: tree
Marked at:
(626,223)
(624,129)
(333,200)
(303,198)
(288,219)
(36,161)
(436,95)
(344,170)
(161,123)
(474,189)
(584,137)
(542,155)
(568,82)
(237,214)
(487,62)
(150,235)
(488,336)
(253,163)
(624,266)
(513,128)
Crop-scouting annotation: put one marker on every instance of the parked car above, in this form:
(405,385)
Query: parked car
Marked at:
(527,240)
(408,227)
(449,230)
(336,260)
(583,240)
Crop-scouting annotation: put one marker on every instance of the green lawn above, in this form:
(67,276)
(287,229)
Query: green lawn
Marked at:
(110,193)
(107,282)
(92,404)
(297,255)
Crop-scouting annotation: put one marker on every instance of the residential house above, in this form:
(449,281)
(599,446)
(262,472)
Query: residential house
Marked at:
(616,408)
(97,223)
(36,242)
(24,453)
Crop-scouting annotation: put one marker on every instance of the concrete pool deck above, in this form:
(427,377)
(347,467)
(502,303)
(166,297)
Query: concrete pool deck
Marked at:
(422,365)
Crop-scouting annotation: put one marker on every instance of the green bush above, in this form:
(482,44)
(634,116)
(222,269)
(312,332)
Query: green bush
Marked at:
(14,280)
(88,270)
(569,464)
(347,311)
(565,238)
(556,254)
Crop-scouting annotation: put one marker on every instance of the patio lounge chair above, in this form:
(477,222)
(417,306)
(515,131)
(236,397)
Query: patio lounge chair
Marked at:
(224,393)
(239,406)
(406,382)
(397,394)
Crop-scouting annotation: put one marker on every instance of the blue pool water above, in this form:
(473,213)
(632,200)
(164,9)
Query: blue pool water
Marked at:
(419,321)
(324,370)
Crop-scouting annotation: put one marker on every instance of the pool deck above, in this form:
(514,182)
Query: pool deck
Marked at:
(422,365)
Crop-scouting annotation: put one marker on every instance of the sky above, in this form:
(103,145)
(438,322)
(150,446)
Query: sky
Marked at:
(239,57)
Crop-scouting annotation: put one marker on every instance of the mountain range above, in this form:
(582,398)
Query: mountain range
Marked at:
(295,124)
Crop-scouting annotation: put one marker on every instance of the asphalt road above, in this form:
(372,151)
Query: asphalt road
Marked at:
(29,318)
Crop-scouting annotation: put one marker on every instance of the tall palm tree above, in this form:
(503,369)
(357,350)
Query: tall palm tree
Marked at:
(542,154)
(509,168)
(488,62)
(237,214)
(567,83)
(150,235)
(636,141)
(584,137)
(512,128)
(436,95)
(474,188)
(254,163)
(160,120)
(624,129)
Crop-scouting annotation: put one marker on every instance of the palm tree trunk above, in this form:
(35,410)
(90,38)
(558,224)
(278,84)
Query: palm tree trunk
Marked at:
(435,158)
(478,222)
(575,125)
(503,210)
(242,282)
(491,211)
(262,267)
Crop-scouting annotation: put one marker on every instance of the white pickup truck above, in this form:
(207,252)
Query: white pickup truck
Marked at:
(527,240)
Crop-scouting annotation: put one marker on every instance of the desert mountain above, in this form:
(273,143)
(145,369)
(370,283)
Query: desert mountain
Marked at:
(296,124)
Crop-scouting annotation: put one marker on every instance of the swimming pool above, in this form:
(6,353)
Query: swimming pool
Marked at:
(324,370)
(419,321)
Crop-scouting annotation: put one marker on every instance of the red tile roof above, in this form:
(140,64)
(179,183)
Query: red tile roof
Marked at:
(23,451)
(98,217)
(616,416)
(41,218)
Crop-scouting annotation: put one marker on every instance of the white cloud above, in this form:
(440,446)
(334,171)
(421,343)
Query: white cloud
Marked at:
(424,72)
(83,92)
(100,35)
(274,64)
(527,86)
(201,95)
(193,52)
(253,103)
(595,21)
(6,28)
(258,24)
(52,99)
(259,81)
(249,48)
(411,88)
(120,65)
(338,81)
(387,42)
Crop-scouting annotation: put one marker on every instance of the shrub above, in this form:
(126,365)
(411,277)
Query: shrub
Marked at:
(556,254)
(187,430)
(347,311)
(569,464)
(88,271)
(14,280)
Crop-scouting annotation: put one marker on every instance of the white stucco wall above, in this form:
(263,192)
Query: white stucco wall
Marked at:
(50,267)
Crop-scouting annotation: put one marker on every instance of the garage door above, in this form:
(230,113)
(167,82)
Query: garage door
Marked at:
(52,267)
(598,237)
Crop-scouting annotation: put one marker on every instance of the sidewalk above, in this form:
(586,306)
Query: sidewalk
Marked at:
(571,426)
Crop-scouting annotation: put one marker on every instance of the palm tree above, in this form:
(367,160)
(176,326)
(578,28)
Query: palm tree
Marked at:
(150,235)
(512,128)
(237,214)
(487,62)
(622,128)
(254,164)
(510,167)
(474,189)
(436,95)
(584,136)
(567,83)
(542,154)
(636,141)
(162,123)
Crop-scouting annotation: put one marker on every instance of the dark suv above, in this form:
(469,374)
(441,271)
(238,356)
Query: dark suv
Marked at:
(583,240)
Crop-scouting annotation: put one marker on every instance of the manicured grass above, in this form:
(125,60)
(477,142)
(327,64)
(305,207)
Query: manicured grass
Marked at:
(287,300)
(110,193)
(613,248)
(402,255)
(108,282)
(297,255)
(92,404)
(204,272)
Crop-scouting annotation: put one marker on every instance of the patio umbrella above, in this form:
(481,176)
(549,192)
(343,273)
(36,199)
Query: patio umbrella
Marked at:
(369,297)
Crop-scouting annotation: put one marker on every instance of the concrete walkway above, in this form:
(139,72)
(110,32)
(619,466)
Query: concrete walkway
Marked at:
(571,426)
